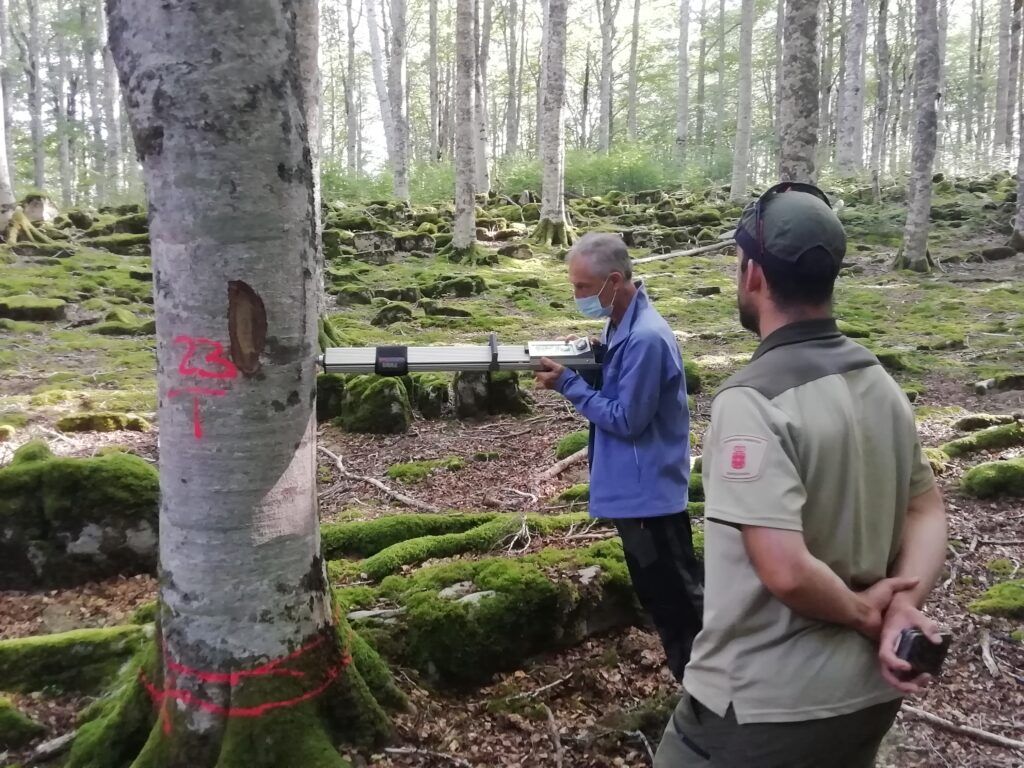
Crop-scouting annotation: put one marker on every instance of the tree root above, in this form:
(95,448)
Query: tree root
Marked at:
(903,262)
(553,233)
(21,230)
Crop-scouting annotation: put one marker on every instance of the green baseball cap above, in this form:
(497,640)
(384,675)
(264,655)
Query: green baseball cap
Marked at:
(792,227)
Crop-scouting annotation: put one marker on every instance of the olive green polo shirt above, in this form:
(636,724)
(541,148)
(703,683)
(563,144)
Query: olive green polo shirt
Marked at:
(812,436)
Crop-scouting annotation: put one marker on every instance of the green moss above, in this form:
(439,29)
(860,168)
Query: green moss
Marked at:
(976,421)
(938,459)
(16,730)
(83,660)
(995,478)
(993,438)
(330,396)
(571,443)
(365,538)
(31,452)
(416,471)
(854,331)
(429,393)
(375,404)
(891,359)
(28,307)
(124,329)
(124,244)
(7,433)
(1000,567)
(1005,599)
(135,224)
(392,313)
(575,493)
(102,422)
(694,382)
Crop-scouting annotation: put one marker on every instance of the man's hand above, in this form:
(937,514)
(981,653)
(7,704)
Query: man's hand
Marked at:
(875,602)
(903,614)
(549,373)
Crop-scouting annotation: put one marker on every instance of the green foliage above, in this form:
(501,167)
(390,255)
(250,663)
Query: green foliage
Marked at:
(575,493)
(1005,599)
(415,471)
(571,443)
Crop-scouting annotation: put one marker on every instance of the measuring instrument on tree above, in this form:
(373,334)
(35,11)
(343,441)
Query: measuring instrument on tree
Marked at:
(577,355)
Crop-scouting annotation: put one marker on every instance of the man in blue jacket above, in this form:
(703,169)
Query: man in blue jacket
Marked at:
(639,439)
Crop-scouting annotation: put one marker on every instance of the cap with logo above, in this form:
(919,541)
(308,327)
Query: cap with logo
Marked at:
(792,227)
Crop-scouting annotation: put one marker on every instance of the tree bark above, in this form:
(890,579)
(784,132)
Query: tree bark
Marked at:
(701,74)
(512,58)
(480,111)
(800,91)
(981,134)
(380,82)
(882,96)
(464,230)
(741,155)
(244,595)
(89,44)
(111,106)
(351,76)
(6,90)
(1003,75)
(825,82)
(7,201)
(553,228)
(940,104)
(607,11)
(396,92)
(1014,69)
(914,254)
(850,154)
(717,139)
(433,74)
(35,96)
(683,81)
(631,86)
(1017,239)
(61,106)
(780,26)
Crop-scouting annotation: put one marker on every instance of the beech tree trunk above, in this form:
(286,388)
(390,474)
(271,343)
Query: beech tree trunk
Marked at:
(480,112)
(464,230)
(7,201)
(741,154)
(1003,76)
(60,104)
(396,92)
(351,116)
(780,26)
(683,81)
(914,254)
(435,84)
(850,152)
(882,96)
(1014,69)
(89,45)
(701,74)
(35,96)
(512,61)
(1017,239)
(800,91)
(631,85)
(243,592)
(111,106)
(380,82)
(718,139)
(607,11)
(553,228)
(5,90)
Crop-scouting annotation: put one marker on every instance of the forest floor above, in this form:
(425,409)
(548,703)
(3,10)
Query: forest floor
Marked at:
(604,702)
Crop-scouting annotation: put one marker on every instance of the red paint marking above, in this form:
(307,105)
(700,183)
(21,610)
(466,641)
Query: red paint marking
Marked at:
(222,367)
(196,392)
(739,457)
(233,678)
(190,699)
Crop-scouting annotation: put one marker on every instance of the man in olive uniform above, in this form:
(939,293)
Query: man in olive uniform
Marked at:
(824,530)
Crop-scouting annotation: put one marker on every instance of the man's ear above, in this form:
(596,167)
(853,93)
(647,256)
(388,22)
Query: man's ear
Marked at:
(753,277)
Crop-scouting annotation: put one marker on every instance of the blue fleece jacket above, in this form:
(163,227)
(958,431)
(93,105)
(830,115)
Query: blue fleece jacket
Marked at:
(639,420)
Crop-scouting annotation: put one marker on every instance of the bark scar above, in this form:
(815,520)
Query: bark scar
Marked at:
(247,326)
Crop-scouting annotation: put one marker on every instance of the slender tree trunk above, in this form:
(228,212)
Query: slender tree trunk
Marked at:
(482,163)
(435,87)
(981,134)
(111,107)
(631,85)
(780,26)
(542,76)
(882,96)
(968,101)
(89,44)
(512,58)
(553,228)
(1017,239)
(584,132)
(741,156)
(1013,74)
(396,91)
(701,73)
(380,82)
(717,140)
(464,230)
(7,201)
(35,96)
(521,76)
(850,156)
(914,254)
(244,595)
(1003,75)
(683,81)
(825,89)
(351,76)
(800,91)
(940,105)
(607,10)
(5,91)
(60,103)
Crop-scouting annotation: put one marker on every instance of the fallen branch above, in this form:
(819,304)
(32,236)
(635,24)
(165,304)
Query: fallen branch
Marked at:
(556,469)
(428,753)
(643,738)
(1006,543)
(965,730)
(409,501)
(986,654)
(692,252)
(537,691)
(555,738)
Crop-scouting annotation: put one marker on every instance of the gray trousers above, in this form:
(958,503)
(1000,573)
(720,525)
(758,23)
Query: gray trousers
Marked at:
(698,738)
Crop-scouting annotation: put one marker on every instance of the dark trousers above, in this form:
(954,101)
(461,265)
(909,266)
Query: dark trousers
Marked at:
(698,738)
(668,579)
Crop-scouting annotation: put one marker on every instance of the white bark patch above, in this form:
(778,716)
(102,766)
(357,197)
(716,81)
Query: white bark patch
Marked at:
(284,510)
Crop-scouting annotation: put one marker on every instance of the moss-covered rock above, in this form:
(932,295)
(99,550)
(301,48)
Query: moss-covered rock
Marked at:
(123,244)
(995,478)
(571,443)
(1005,599)
(432,309)
(694,381)
(410,294)
(368,537)
(992,438)
(16,730)
(350,220)
(64,520)
(461,287)
(417,471)
(579,493)
(481,394)
(938,459)
(330,396)
(102,421)
(429,393)
(81,661)
(375,404)
(133,224)
(976,421)
(28,307)
(391,314)
(520,251)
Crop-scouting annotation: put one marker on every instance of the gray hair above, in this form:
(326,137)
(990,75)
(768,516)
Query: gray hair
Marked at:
(605,252)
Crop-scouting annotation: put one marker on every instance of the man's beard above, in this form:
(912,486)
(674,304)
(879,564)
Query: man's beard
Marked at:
(749,318)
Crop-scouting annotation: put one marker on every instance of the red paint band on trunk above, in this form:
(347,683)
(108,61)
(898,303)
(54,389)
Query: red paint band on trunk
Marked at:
(233,678)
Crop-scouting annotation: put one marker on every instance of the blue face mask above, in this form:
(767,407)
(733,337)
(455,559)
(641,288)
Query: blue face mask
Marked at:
(590,306)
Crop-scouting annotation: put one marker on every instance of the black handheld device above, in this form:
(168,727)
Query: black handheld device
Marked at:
(925,657)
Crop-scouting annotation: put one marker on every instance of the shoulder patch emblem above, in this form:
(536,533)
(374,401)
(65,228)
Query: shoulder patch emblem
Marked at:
(743,457)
